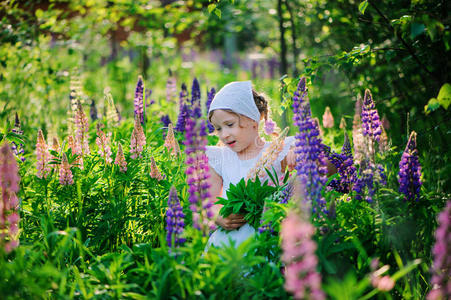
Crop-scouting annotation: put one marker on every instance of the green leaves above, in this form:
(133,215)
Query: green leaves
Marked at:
(362,6)
(443,99)
(246,198)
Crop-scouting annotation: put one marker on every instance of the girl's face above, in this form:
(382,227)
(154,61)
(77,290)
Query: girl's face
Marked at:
(228,128)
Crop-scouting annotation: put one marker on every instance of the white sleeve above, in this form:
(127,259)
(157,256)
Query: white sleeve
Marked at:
(288,143)
(215,158)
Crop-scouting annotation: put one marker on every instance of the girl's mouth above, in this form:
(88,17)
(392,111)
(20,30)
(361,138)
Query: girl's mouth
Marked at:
(231,144)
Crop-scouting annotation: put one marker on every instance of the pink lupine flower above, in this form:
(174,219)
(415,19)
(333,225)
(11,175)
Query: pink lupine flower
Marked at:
(171,88)
(328,118)
(65,172)
(137,141)
(357,133)
(42,156)
(81,130)
(301,277)
(9,185)
(441,268)
(170,142)
(120,159)
(103,142)
(75,147)
(343,123)
(154,172)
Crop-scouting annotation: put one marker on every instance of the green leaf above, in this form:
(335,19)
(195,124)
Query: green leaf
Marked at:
(444,95)
(362,6)
(432,105)
(218,13)
(416,29)
(211,7)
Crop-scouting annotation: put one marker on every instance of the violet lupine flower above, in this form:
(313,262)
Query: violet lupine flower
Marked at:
(309,150)
(370,118)
(345,167)
(441,268)
(93,111)
(328,118)
(138,101)
(9,186)
(65,176)
(175,220)
(197,174)
(210,95)
(270,126)
(103,143)
(42,157)
(137,141)
(370,176)
(273,64)
(18,149)
(81,131)
(410,171)
(195,99)
(301,277)
(165,120)
(183,110)
(120,159)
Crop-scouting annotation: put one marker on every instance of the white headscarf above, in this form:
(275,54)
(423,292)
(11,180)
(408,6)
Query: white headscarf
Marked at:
(236,96)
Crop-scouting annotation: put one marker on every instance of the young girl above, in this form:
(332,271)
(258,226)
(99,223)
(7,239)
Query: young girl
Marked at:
(235,112)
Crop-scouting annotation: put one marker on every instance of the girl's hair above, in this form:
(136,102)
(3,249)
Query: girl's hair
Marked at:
(260,102)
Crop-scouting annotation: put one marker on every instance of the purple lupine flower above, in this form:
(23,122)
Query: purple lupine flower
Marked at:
(309,150)
(9,186)
(210,95)
(195,99)
(165,120)
(183,110)
(273,64)
(370,176)
(138,101)
(441,268)
(301,277)
(372,126)
(410,170)
(175,221)
(254,65)
(93,111)
(18,149)
(197,174)
(345,166)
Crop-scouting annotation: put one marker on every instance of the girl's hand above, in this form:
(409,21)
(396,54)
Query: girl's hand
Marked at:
(291,159)
(233,221)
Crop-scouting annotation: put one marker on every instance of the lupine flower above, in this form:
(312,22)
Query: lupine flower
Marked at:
(81,130)
(270,126)
(328,118)
(357,133)
(210,95)
(138,101)
(183,110)
(154,172)
(346,169)
(9,186)
(171,143)
(165,120)
(370,118)
(385,123)
(342,123)
(103,143)
(65,177)
(174,220)
(310,160)
(120,159)
(148,101)
(268,157)
(18,149)
(112,115)
(197,174)
(370,175)
(273,64)
(384,145)
(383,283)
(441,268)
(57,148)
(195,99)
(138,140)
(410,171)
(301,277)
(42,157)
(171,88)
(93,111)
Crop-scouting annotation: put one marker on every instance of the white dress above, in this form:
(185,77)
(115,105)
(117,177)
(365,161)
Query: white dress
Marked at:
(232,169)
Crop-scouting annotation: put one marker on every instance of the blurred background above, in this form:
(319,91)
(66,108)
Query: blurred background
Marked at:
(399,49)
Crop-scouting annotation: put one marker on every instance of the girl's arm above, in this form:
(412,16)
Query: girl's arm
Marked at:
(232,221)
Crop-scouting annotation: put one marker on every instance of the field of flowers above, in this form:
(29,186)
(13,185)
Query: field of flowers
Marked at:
(117,207)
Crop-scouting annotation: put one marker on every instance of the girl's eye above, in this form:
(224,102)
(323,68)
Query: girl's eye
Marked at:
(218,129)
(230,125)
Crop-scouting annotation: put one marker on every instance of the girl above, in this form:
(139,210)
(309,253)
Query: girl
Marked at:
(235,112)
